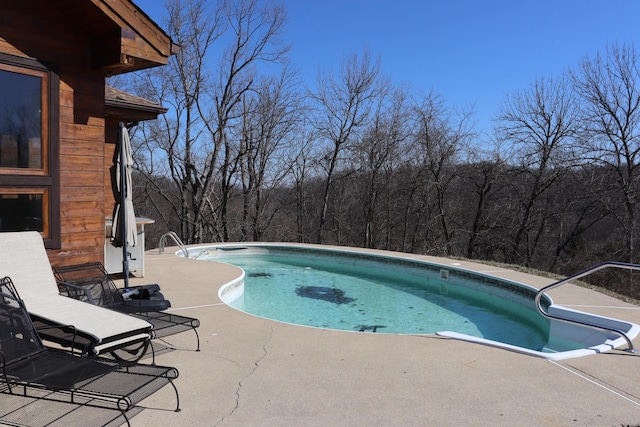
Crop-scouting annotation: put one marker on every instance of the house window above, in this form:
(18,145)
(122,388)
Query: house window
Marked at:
(22,108)
(29,191)
(24,209)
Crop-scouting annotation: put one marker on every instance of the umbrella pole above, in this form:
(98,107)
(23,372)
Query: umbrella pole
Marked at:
(123,216)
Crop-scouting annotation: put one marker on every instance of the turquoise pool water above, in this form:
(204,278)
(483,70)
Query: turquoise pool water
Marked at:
(360,294)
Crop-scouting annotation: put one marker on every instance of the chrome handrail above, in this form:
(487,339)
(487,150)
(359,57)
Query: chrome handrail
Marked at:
(584,273)
(176,240)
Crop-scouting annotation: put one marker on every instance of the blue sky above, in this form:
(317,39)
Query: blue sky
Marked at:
(472,52)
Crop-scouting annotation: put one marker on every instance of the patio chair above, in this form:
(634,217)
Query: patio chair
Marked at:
(33,370)
(95,330)
(91,283)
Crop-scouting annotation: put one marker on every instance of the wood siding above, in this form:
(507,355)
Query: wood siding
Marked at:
(26,30)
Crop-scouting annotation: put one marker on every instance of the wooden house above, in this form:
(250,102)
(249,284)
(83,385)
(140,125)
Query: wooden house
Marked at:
(58,119)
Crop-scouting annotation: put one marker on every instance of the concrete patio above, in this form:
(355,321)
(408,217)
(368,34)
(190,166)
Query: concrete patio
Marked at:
(257,372)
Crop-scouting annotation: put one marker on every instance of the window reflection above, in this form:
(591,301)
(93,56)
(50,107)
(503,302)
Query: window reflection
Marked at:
(21,212)
(20,120)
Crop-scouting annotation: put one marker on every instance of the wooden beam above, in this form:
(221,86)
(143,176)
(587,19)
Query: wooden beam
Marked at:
(133,45)
(127,15)
(122,51)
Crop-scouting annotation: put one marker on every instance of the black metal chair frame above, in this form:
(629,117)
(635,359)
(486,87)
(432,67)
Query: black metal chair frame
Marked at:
(41,412)
(68,336)
(91,283)
(33,370)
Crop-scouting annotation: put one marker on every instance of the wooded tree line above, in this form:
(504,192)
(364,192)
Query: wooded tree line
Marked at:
(248,152)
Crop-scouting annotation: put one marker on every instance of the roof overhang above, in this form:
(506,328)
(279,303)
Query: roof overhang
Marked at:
(123,106)
(122,37)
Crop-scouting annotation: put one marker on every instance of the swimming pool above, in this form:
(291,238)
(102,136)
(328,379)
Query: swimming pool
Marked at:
(365,292)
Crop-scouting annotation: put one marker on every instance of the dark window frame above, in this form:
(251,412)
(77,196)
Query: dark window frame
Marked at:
(25,179)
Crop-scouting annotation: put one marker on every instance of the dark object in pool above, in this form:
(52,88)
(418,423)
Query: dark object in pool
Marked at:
(260,274)
(324,293)
(366,328)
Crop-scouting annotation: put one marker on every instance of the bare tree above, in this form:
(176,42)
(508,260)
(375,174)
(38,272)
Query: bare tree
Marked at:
(484,171)
(172,146)
(344,103)
(223,48)
(574,217)
(271,123)
(376,157)
(540,124)
(439,137)
(609,86)
(301,172)
(254,41)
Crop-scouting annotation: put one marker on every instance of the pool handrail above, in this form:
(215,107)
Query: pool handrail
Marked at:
(175,239)
(614,264)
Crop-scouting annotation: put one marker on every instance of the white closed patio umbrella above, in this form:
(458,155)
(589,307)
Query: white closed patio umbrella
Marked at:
(123,230)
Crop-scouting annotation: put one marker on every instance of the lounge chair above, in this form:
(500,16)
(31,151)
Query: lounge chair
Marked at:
(95,330)
(91,283)
(32,370)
